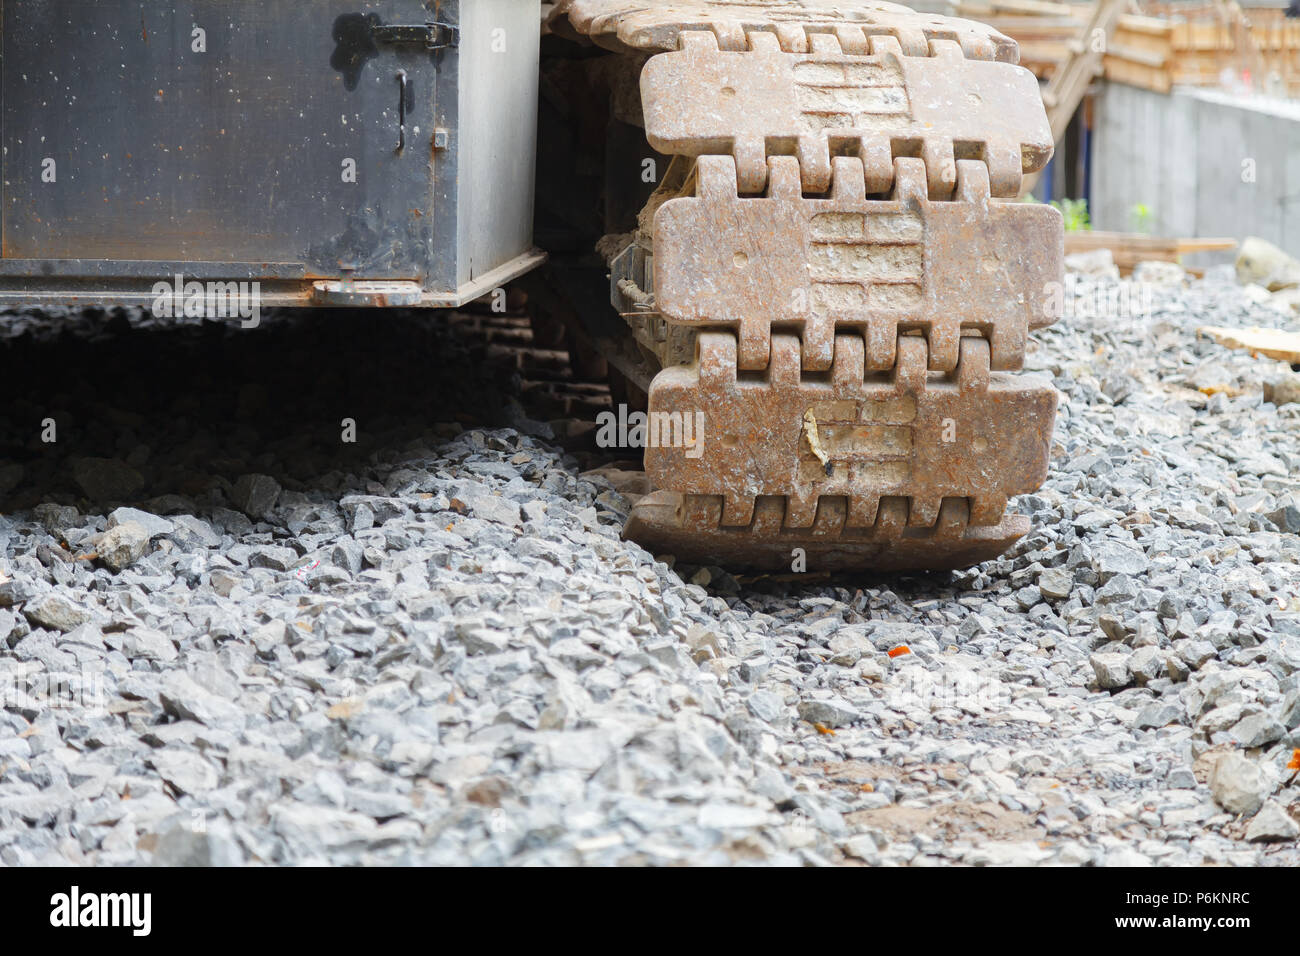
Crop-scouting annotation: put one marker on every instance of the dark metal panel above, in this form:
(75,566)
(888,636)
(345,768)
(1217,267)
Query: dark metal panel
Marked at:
(145,269)
(443,274)
(234,154)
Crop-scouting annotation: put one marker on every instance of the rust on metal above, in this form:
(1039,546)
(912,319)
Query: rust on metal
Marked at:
(649,27)
(857,288)
(352,293)
(704,101)
(849,262)
(975,435)
(687,527)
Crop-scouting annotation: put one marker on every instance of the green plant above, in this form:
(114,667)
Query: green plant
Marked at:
(1141,216)
(1075,214)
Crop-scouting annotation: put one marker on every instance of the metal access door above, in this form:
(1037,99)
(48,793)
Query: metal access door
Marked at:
(282,138)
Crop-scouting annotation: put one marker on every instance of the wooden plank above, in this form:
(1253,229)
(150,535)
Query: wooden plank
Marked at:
(1186,246)
(1150,25)
(1158,80)
(1156,58)
(1144,43)
(1101,239)
(1128,249)
(1273,343)
(1038,7)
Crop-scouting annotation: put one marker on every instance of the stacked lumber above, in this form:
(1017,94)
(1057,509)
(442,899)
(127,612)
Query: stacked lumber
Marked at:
(1043,30)
(1174,44)
(1128,249)
(1083,62)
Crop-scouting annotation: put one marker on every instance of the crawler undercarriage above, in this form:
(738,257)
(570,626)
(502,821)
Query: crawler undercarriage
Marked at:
(832,274)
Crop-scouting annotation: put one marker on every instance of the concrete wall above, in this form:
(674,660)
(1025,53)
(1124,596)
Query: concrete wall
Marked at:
(1182,154)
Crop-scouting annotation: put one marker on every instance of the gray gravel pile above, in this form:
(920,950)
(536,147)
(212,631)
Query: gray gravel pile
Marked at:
(238,646)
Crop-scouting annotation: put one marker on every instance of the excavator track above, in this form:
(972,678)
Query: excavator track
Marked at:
(847,259)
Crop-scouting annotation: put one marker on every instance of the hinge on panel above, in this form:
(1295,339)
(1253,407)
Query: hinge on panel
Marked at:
(434,36)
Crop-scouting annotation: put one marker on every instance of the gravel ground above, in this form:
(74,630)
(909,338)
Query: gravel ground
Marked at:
(227,637)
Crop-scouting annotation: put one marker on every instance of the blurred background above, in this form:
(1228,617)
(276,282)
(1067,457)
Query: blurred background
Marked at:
(1178,121)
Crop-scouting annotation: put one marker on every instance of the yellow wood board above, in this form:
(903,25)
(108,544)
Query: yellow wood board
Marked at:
(1273,343)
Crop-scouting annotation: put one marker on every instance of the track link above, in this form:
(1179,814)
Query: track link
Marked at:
(656,28)
(976,435)
(857,287)
(867,99)
(850,263)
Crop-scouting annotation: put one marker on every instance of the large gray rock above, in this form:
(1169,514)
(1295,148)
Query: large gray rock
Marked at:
(847,648)
(153,524)
(1272,824)
(121,546)
(1286,515)
(183,697)
(1113,558)
(830,713)
(1147,664)
(1112,670)
(1289,715)
(495,508)
(1119,590)
(1195,653)
(56,612)
(1257,730)
(1283,390)
(148,644)
(185,770)
(1056,583)
(346,554)
(1158,714)
(17,590)
(273,557)
(1262,263)
(191,533)
(255,495)
(1238,784)
(766,706)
